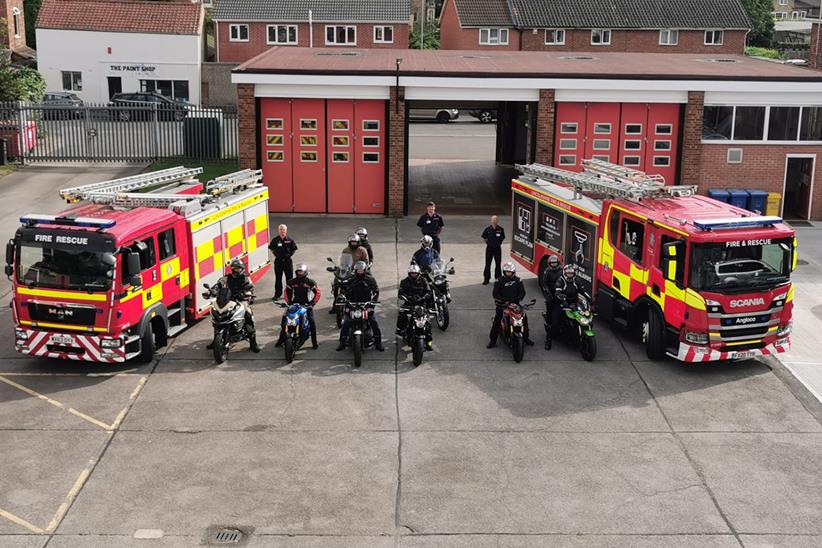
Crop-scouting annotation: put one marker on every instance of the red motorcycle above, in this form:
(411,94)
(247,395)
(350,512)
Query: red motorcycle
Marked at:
(512,327)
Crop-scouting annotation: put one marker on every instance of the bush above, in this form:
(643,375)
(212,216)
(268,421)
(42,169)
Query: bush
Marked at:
(763,52)
(21,84)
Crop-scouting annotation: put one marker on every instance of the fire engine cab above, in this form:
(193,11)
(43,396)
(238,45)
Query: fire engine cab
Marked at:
(698,279)
(115,276)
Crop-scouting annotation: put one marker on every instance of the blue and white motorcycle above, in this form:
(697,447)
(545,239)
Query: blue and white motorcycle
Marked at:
(297,329)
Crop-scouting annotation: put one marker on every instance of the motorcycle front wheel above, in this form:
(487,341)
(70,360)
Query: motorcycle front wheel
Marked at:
(288,347)
(443,317)
(518,348)
(417,351)
(588,348)
(358,347)
(220,346)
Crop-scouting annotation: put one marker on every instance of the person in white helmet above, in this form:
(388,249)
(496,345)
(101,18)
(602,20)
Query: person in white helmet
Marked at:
(426,254)
(363,234)
(507,289)
(302,290)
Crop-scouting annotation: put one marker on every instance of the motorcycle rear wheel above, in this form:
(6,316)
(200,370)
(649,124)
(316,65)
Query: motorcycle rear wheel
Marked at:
(220,347)
(417,351)
(358,347)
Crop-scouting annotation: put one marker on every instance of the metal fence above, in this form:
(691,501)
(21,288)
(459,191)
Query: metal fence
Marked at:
(37,132)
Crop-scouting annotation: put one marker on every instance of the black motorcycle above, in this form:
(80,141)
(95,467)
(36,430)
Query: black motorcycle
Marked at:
(227,318)
(417,326)
(342,275)
(437,276)
(359,335)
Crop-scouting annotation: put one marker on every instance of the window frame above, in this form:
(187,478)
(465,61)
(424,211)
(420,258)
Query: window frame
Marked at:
(632,156)
(562,128)
(488,31)
(601,34)
(669,33)
(76,78)
(238,27)
(276,41)
(714,34)
(376,154)
(566,142)
(573,156)
(382,40)
(347,29)
(555,41)
(15,16)
(173,241)
(624,216)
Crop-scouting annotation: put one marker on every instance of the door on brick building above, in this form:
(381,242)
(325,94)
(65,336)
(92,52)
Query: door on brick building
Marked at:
(798,187)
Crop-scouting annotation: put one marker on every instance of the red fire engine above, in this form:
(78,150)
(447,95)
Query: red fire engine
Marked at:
(700,280)
(114,277)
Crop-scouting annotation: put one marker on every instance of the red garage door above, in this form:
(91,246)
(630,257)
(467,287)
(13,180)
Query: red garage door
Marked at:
(369,157)
(276,156)
(308,144)
(340,151)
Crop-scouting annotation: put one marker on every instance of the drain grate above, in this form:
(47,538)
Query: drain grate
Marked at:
(228,536)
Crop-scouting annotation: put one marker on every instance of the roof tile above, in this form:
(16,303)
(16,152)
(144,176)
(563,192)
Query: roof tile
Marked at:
(122,16)
(398,11)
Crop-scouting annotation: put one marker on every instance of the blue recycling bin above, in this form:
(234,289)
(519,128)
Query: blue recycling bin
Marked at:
(738,198)
(757,200)
(719,195)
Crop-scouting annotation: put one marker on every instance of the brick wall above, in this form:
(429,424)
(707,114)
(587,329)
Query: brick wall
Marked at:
(6,7)
(396,152)
(453,36)
(247,122)
(546,118)
(691,161)
(238,52)
(815,51)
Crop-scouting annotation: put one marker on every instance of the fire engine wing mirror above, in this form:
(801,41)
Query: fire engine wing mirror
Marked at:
(108,259)
(131,268)
(673,261)
(10,251)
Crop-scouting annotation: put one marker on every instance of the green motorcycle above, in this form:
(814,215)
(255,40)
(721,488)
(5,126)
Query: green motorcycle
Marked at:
(578,324)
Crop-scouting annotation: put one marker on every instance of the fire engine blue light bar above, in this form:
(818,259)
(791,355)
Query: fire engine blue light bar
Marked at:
(90,222)
(737,222)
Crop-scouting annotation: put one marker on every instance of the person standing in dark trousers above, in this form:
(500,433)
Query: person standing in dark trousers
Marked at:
(283,248)
(431,224)
(493,236)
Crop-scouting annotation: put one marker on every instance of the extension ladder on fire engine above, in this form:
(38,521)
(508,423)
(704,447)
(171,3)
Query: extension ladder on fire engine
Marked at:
(129,184)
(607,179)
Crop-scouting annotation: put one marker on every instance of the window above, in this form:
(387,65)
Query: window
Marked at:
(371,157)
(145,249)
(662,161)
(370,125)
(602,128)
(282,34)
(383,35)
(734,155)
(717,123)
(713,37)
(778,15)
(340,141)
(340,35)
(631,161)
(632,144)
(308,156)
(633,129)
(72,81)
(568,127)
(276,156)
(339,125)
(602,157)
(662,145)
(601,37)
(339,157)
(173,89)
(783,2)
(811,124)
(15,15)
(679,276)
(567,144)
(567,160)
(274,123)
(166,242)
(664,129)
(783,124)
(631,238)
(668,37)
(493,37)
(274,140)
(749,124)
(602,144)
(555,37)
(308,140)
(307,123)
(238,33)
(370,141)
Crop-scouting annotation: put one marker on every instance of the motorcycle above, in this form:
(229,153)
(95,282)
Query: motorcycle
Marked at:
(577,323)
(437,276)
(359,335)
(512,327)
(417,327)
(227,318)
(342,274)
(297,329)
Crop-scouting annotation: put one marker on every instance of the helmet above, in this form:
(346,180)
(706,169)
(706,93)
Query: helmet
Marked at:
(237,265)
(359,266)
(353,238)
(509,267)
(427,242)
(302,267)
(569,269)
(553,261)
(362,232)
(413,269)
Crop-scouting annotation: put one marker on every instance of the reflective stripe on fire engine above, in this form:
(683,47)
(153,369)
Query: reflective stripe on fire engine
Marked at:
(694,300)
(223,213)
(184,278)
(63,326)
(789,298)
(170,269)
(99,297)
(133,292)
(795,254)
(153,295)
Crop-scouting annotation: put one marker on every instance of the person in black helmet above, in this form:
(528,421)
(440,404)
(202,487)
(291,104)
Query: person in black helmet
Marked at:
(413,291)
(566,292)
(242,291)
(362,288)
(363,234)
(552,273)
(507,289)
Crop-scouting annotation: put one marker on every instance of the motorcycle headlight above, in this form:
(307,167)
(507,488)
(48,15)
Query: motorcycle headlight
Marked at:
(517,322)
(420,322)
(291,321)
(111,343)
(784,330)
(585,321)
(357,314)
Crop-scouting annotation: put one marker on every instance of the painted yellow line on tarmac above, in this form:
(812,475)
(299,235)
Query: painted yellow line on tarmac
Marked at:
(120,416)
(131,373)
(55,403)
(72,494)
(139,387)
(20,521)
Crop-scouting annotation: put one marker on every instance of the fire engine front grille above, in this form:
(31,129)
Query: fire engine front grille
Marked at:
(738,347)
(756,331)
(70,314)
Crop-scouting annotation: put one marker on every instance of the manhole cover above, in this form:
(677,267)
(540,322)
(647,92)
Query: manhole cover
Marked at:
(227,536)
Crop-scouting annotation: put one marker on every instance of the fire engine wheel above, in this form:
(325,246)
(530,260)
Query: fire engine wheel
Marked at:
(357,350)
(518,348)
(443,317)
(418,350)
(288,346)
(146,345)
(654,332)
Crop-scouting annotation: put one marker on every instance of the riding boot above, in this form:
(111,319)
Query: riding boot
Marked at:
(548,341)
(314,344)
(281,340)
(254,347)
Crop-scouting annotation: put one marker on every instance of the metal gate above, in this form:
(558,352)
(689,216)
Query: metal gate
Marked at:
(36,132)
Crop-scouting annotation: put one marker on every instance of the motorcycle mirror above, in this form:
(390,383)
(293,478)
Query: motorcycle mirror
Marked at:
(330,268)
(329,259)
(207,286)
(533,301)
(451,260)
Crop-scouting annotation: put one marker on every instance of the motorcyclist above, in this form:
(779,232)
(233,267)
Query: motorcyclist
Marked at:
(566,292)
(413,290)
(304,291)
(363,234)
(242,291)
(549,283)
(356,250)
(362,288)
(425,256)
(508,289)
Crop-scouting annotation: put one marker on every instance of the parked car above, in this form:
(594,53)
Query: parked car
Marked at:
(441,115)
(61,105)
(484,115)
(141,107)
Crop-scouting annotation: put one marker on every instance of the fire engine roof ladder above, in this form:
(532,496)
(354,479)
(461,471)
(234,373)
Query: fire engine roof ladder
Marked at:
(608,179)
(129,184)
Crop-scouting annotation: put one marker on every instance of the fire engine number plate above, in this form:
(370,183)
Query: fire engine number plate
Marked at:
(63,340)
(742,355)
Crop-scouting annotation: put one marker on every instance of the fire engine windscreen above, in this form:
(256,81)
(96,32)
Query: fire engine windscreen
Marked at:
(740,265)
(70,267)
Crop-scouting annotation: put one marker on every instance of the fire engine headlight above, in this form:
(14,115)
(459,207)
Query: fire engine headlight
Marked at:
(713,306)
(696,338)
(111,343)
(784,330)
(21,335)
(358,314)
(778,302)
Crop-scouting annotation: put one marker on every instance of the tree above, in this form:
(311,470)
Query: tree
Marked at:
(761,22)
(30,10)
(18,83)
(431,38)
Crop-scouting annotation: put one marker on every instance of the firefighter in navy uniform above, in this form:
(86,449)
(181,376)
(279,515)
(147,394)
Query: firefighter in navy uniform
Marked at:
(283,248)
(549,284)
(493,236)
(304,291)
(431,224)
(242,290)
(507,289)
(362,288)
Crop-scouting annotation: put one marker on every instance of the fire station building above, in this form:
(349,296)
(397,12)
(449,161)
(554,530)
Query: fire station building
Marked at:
(329,128)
